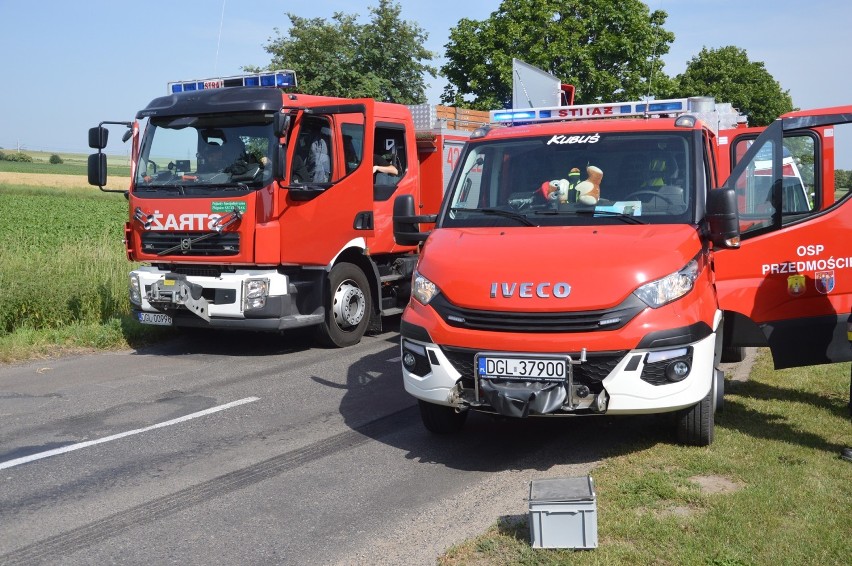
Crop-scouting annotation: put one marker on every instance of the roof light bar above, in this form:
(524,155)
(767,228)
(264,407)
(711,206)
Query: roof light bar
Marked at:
(587,111)
(279,79)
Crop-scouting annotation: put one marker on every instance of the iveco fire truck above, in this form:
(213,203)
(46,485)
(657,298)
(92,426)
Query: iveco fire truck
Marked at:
(537,295)
(255,207)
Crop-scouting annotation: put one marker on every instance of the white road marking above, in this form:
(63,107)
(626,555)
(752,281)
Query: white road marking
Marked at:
(79,445)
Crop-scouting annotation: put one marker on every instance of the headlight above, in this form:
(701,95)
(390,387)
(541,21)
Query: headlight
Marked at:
(423,290)
(254,293)
(135,290)
(663,291)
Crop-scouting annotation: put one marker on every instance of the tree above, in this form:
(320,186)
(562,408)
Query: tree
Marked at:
(728,75)
(607,49)
(383,59)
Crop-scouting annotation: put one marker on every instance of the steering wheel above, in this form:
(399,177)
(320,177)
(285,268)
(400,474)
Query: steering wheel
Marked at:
(653,194)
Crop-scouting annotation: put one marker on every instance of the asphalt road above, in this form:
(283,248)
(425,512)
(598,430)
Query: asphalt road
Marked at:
(258,449)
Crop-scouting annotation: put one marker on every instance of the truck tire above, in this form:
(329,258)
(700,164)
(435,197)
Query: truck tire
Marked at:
(441,419)
(348,307)
(733,354)
(695,425)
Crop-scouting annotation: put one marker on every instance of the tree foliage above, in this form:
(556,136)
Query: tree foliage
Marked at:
(728,75)
(383,59)
(606,48)
(842,179)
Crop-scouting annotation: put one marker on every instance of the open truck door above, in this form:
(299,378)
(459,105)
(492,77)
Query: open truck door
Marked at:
(789,284)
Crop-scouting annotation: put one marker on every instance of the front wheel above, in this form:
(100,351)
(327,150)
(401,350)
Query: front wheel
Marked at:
(348,307)
(695,425)
(441,419)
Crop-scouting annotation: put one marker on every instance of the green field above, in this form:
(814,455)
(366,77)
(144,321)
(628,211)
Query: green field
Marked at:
(63,271)
(73,164)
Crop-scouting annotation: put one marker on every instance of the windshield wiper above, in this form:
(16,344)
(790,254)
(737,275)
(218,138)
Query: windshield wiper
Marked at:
(522,218)
(160,187)
(629,218)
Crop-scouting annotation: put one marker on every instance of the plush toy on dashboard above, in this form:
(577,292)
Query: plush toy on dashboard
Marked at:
(573,179)
(554,191)
(589,191)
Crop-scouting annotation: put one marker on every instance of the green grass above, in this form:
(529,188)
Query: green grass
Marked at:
(63,271)
(73,164)
(777,442)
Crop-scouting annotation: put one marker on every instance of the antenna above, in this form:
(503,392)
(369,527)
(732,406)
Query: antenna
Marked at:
(219,40)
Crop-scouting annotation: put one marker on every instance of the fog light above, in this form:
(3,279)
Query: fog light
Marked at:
(414,359)
(677,371)
(409,361)
(135,290)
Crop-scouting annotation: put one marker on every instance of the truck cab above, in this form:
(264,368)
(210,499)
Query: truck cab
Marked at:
(584,262)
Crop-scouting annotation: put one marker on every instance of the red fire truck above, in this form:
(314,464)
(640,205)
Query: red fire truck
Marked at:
(254,207)
(593,260)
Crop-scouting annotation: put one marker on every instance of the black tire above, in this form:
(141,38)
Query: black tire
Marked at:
(720,390)
(441,419)
(733,354)
(348,307)
(695,425)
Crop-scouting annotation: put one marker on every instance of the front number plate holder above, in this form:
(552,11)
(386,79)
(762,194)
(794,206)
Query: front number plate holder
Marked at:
(155,318)
(522,367)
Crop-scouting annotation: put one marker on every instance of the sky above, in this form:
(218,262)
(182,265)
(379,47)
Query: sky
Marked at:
(67,66)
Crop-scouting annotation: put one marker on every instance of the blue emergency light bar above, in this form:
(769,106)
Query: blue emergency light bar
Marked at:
(587,111)
(279,79)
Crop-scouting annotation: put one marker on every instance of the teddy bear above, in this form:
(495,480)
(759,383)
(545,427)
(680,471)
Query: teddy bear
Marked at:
(589,191)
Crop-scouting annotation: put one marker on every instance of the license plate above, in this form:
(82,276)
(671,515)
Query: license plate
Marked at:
(522,367)
(156,318)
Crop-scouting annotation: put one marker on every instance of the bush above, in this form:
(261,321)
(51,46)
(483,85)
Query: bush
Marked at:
(18,157)
(55,160)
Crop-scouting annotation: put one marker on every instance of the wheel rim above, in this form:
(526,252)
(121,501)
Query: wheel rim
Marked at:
(349,305)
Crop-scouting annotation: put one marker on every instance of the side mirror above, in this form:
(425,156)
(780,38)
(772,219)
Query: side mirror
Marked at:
(280,161)
(406,225)
(98,137)
(723,219)
(97,168)
(281,124)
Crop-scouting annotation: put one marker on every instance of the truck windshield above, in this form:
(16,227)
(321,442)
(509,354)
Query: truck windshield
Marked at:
(205,155)
(562,180)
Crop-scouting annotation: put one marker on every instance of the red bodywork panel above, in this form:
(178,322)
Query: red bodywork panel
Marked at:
(469,262)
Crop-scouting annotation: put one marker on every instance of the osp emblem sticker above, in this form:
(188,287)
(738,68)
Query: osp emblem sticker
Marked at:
(796,285)
(824,281)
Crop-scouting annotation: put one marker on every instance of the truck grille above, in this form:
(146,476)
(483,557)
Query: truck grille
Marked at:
(538,322)
(225,244)
(592,372)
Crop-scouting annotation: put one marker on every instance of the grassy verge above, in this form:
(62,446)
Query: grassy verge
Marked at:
(119,332)
(63,272)
(775,490)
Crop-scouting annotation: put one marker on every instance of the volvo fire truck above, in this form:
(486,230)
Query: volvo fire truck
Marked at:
(530,300)
(254,207)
